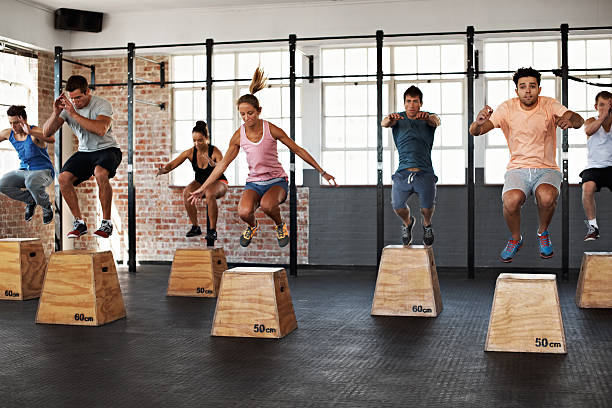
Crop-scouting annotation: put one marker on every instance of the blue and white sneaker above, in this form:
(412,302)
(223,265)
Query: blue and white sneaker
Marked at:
(509,252)
(546,247)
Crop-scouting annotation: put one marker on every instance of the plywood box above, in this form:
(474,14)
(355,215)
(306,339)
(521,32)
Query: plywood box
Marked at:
(196,272)
(595,282)
(407,283)
(526,316)
(22,268)
(81,288)
(254,302)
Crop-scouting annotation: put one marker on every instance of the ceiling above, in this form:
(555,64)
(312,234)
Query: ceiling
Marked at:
(118,6)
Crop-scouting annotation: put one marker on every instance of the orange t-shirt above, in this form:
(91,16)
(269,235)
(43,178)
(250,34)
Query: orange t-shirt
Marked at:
(531,134)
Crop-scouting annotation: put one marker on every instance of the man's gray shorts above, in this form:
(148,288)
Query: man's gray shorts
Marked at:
(528,180)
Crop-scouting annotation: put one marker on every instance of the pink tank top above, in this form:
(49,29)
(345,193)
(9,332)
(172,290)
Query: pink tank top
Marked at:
(262,156)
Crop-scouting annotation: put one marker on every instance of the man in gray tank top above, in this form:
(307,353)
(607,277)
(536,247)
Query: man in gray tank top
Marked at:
(598,172)
(90,118)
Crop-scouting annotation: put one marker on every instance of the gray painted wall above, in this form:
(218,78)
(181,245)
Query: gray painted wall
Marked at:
(343,226)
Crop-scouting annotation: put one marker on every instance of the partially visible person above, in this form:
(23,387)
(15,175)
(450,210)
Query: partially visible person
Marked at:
(204,157)
(90,118)
(529,123)
(29,183)
(598,172)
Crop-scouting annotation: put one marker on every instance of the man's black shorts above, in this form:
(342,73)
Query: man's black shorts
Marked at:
(601,176)
(83,164)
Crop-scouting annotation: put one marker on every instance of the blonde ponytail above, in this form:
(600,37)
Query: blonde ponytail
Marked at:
(258,83)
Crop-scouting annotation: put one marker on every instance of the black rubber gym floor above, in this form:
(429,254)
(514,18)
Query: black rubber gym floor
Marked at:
(163,354)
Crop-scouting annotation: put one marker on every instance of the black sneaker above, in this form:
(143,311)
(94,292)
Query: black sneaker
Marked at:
(194,231)
(428,235)
(29,212)
(282,234)
(47,214)
(407,232)
(248,234)
(211,235)
(79,229)
(105,230)
(592,232)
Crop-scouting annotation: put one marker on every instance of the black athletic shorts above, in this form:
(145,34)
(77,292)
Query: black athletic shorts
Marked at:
(601,176)
(83,164)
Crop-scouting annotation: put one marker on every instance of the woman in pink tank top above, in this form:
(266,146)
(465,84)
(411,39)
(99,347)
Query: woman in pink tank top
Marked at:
(266,185)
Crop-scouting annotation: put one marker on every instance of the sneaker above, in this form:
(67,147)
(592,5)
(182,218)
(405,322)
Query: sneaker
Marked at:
(592,232)
(47,214)
(511,249)
(79,229)
(29,212)
(248,234)
(105,230)
(194,231)
(211,235)
(546,247)
(282,234)
(407,232)
(428,235)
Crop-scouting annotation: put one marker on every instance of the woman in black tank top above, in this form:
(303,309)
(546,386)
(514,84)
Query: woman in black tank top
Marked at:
(203,157)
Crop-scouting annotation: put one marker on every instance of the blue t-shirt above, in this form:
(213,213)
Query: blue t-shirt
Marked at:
(414,140)
(32,156)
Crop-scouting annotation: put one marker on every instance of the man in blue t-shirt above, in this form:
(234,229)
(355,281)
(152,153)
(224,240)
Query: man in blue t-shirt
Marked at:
(413,134)
(29,183)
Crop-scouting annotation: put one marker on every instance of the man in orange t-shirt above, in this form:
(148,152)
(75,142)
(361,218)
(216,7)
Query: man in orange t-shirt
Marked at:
(529,123)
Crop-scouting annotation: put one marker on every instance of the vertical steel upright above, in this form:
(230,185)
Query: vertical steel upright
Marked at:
(292,187)
(130,168)
(92,77)
(564,158)
(209,85)
(380,198)
(57,86)
(470,152)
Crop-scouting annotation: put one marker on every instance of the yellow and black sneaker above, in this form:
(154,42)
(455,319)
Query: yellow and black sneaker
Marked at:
(282,234)
(248,234)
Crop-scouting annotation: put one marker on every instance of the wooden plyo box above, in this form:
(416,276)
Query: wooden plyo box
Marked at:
(22,268)
(81,288)
(196,272)
(595,282)
(526,316)
(254,302)
(407,283)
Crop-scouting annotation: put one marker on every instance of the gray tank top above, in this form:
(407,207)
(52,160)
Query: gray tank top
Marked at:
(599,146)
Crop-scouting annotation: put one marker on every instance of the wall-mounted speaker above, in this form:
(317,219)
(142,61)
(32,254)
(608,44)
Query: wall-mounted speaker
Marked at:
(78,20)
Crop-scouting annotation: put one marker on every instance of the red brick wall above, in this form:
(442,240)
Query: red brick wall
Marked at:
(12,223)
(161,218)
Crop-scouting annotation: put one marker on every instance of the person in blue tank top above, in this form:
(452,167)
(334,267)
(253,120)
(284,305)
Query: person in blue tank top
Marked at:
(28,184)
(413,134)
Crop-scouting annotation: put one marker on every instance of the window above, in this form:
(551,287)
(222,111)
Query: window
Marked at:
(190,105)
(349,109)
(509,56)
(442,95)
(18,86)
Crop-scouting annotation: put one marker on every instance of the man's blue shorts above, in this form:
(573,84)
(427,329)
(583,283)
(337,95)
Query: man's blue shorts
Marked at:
(406,182)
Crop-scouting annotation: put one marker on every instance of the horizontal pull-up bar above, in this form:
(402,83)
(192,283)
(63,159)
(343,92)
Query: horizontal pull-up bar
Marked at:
(273,40)
(524,30)
(161,105)
(148,60)
(77,63)
(424,34)
(338,37)
(94,49)
(590,28)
